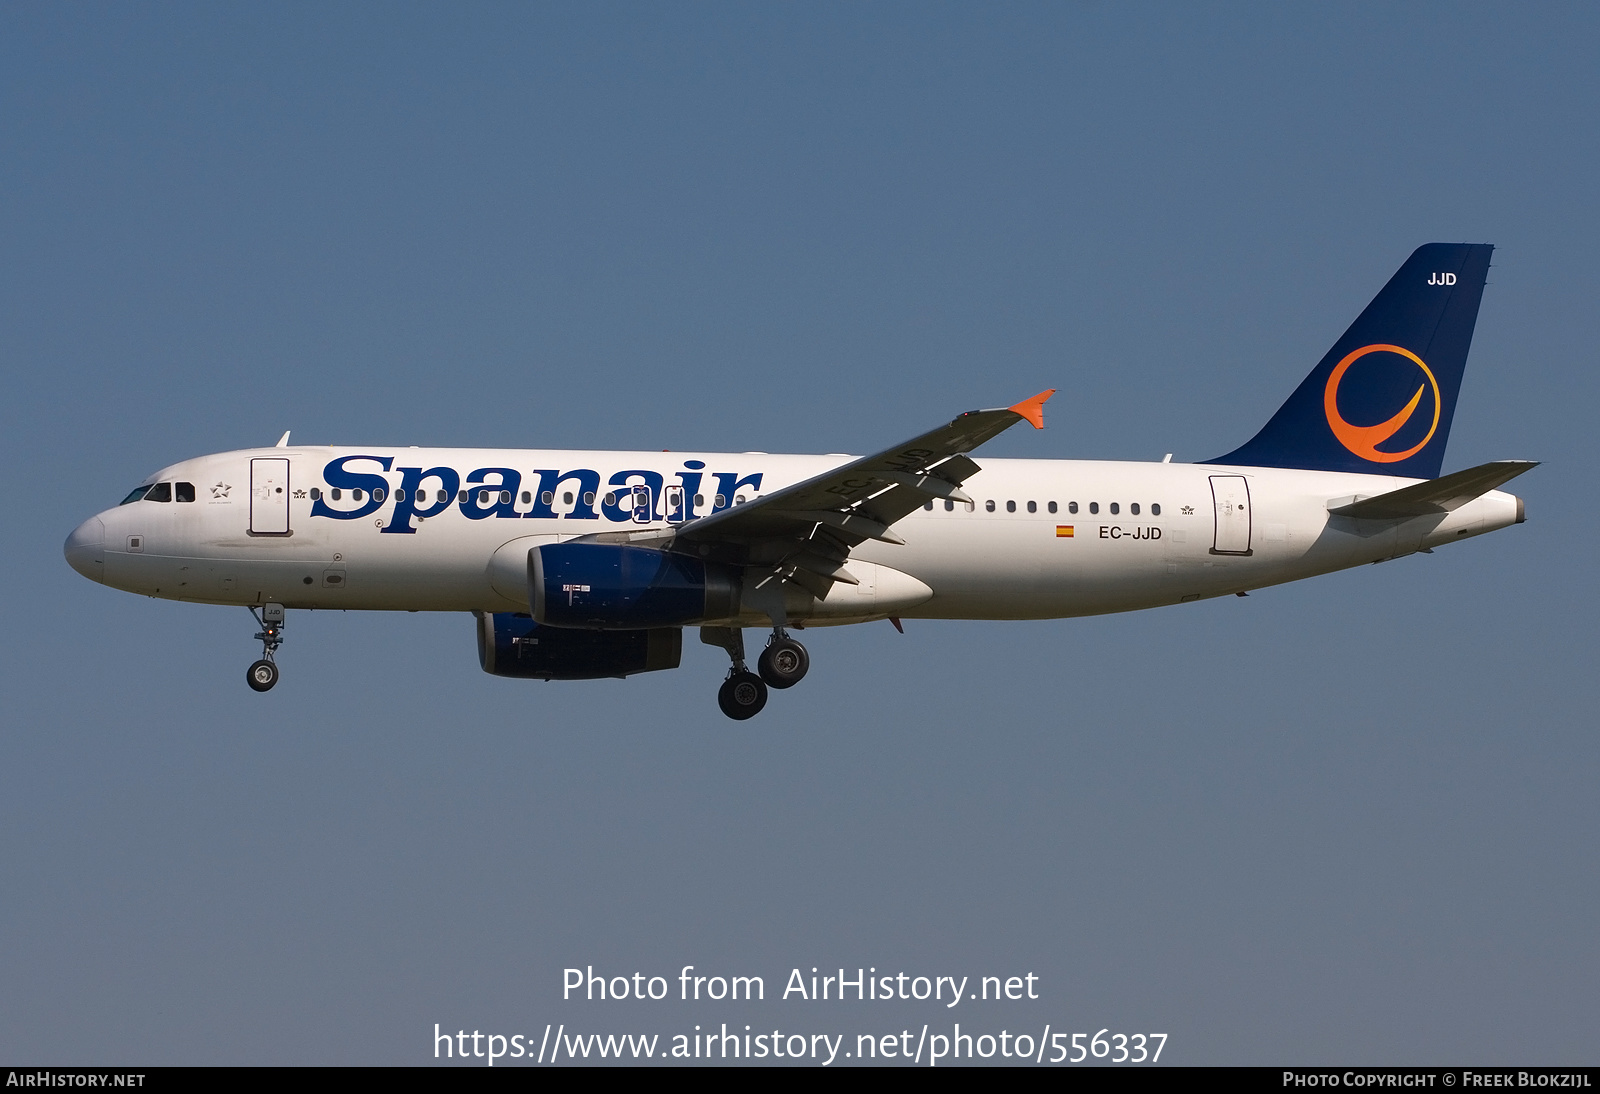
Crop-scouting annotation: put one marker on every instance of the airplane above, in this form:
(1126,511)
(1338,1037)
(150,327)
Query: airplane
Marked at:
(589,564)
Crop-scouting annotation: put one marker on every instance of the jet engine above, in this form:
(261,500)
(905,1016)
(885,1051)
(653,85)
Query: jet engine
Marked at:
(512,644)
(608,586)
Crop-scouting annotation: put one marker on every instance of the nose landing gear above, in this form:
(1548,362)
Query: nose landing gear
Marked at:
(262,674)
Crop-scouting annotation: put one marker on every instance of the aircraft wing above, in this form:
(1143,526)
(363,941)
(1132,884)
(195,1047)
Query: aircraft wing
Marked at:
(807,530)
(1440,495)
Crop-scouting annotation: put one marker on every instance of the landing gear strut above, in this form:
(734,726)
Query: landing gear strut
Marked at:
(264,673)
(784,662)
(743,693)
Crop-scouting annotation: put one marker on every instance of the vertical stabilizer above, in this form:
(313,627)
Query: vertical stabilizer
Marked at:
(1381,400)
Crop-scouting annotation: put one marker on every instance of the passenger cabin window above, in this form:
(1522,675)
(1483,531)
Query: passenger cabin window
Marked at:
(1033,507)
(566,497)
(1094,507)
(1011,507)
(1155,509)
(356,493)
(949,506)
(378,495)
(316,494)
(183,491)
(1134,508)
(139,492)
(1072,507)
(1051,507)
(526,497)
(505,497)
(989,505)
(547,497)
(161,491)
(336,493)
(463,498)
(444,496)
(1115,509)
(588,498)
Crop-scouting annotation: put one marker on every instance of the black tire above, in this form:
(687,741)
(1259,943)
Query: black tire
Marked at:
(784,663)
(261,675)
(742,696)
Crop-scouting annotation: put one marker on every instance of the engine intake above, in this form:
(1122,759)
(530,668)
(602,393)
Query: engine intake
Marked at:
(609,586)
(512,644)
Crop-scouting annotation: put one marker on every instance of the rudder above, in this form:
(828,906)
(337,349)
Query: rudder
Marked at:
(1381,400)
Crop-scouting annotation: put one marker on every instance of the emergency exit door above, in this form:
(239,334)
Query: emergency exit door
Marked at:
(269,497)
(1230,498)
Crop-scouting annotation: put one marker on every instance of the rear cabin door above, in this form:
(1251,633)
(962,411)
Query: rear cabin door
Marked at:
(269,497)
(1230,496)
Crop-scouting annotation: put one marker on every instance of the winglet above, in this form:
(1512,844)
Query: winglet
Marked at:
(283,441)
(1032,410)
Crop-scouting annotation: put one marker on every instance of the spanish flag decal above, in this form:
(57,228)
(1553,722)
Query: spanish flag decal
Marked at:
(1063,531)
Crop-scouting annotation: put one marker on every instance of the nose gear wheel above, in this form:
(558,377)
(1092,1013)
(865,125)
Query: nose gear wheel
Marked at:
(263,674)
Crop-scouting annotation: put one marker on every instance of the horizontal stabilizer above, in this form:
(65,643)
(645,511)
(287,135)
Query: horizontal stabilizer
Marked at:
(1440,495)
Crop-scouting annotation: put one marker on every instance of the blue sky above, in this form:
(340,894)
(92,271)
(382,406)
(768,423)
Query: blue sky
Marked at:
(1350,820)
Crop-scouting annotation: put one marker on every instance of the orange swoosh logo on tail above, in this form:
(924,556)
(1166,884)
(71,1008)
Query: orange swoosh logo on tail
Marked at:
(1363,440)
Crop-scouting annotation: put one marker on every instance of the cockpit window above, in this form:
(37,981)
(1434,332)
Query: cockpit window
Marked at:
(183,491)
(138,492)
(161,491)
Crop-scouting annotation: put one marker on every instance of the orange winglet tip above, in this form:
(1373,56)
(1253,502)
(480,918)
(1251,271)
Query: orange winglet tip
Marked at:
(1032,409)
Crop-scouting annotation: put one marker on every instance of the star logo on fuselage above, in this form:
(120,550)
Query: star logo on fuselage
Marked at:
(220,490)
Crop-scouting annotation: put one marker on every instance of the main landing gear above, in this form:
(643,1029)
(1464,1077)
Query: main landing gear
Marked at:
(784,662)
(782,665)
(264,673)
(742,694)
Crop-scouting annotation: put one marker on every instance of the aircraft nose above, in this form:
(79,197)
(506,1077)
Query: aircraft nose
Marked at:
(86,549)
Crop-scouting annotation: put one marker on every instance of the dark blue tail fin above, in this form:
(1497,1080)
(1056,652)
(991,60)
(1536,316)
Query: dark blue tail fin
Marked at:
(1381,400)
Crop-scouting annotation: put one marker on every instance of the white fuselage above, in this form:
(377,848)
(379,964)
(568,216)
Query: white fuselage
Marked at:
(1042,538)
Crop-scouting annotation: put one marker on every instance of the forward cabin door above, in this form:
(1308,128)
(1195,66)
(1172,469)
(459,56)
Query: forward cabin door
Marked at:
(269,497)
(1230,497)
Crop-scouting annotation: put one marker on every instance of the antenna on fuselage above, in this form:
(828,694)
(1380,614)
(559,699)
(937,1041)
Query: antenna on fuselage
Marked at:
(283,441)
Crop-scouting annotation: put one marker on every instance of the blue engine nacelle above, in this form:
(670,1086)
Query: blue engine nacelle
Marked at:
(514,645)
(610,586)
